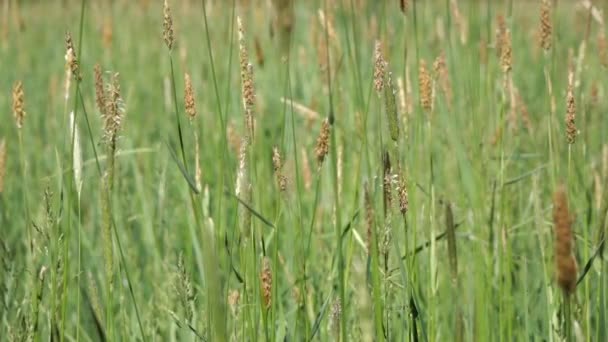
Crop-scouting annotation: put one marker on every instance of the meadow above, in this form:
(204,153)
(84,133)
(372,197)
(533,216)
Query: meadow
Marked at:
(323,170)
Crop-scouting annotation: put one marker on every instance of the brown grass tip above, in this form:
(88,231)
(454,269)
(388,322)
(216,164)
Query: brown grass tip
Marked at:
(546,26)
(571,130)
(322,147)
(266,280)
(425,83)
(564,242)
(189,98)
(70,57)
(168,26)
(379,68)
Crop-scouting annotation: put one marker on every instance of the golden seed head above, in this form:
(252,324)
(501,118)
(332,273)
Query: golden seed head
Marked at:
(19,104)
(425,83)
(266,280)
(2,163)
(379,68)
(564,242)
(168,26)
(571,130)
(189,98)
(70,57)
(545,25)
(506,52)
(322,147)
(114,111)
(100,95)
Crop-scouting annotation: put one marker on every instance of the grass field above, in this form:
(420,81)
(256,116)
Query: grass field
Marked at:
(285,170)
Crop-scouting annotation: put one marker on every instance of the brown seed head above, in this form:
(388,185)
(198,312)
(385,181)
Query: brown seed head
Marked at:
(501,30)
(2,163)
(571,130)
(19,104)
(564,242)
(322,147)
(168,26)
(189,98)
(100,95)
(443,77)
(266,280)
(70,57)
(545,25)
(425,83)
(379,68)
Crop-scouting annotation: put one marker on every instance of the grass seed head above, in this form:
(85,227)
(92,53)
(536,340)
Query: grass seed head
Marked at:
(100,93)
(114,111)
(403,195)
(379,68)
(571,130)
(506,59)
(425,83)
(266,280)
(322,147)
(70,57)
(168,26)
(189,98)
(19,104)
(564,242)
(278,169)
(546,26)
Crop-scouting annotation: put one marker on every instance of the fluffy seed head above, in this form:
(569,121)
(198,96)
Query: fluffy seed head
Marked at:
(18,104)
(266,280)
(189,98)
(168,26)
(2,163)
(403,196)
(571,130)
(322,147)
(564,242)
(425,83)
(70,57)
(545,25)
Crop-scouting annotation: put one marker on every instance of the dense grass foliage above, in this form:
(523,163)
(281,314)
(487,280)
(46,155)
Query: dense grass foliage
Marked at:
(303,170)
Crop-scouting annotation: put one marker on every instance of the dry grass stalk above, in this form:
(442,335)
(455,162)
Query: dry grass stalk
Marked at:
(322,147)
(460,21)
(100,95)
(70,57)
(306,172)
(19,104)
(310,115)
(266,280)
(564,242)
(189,98)
(168,26)
(425,83)
(546,26)
(2,163)
(278,169)
(571,130)
(602,47)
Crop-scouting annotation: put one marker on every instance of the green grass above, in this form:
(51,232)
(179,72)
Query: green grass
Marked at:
(480,186)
